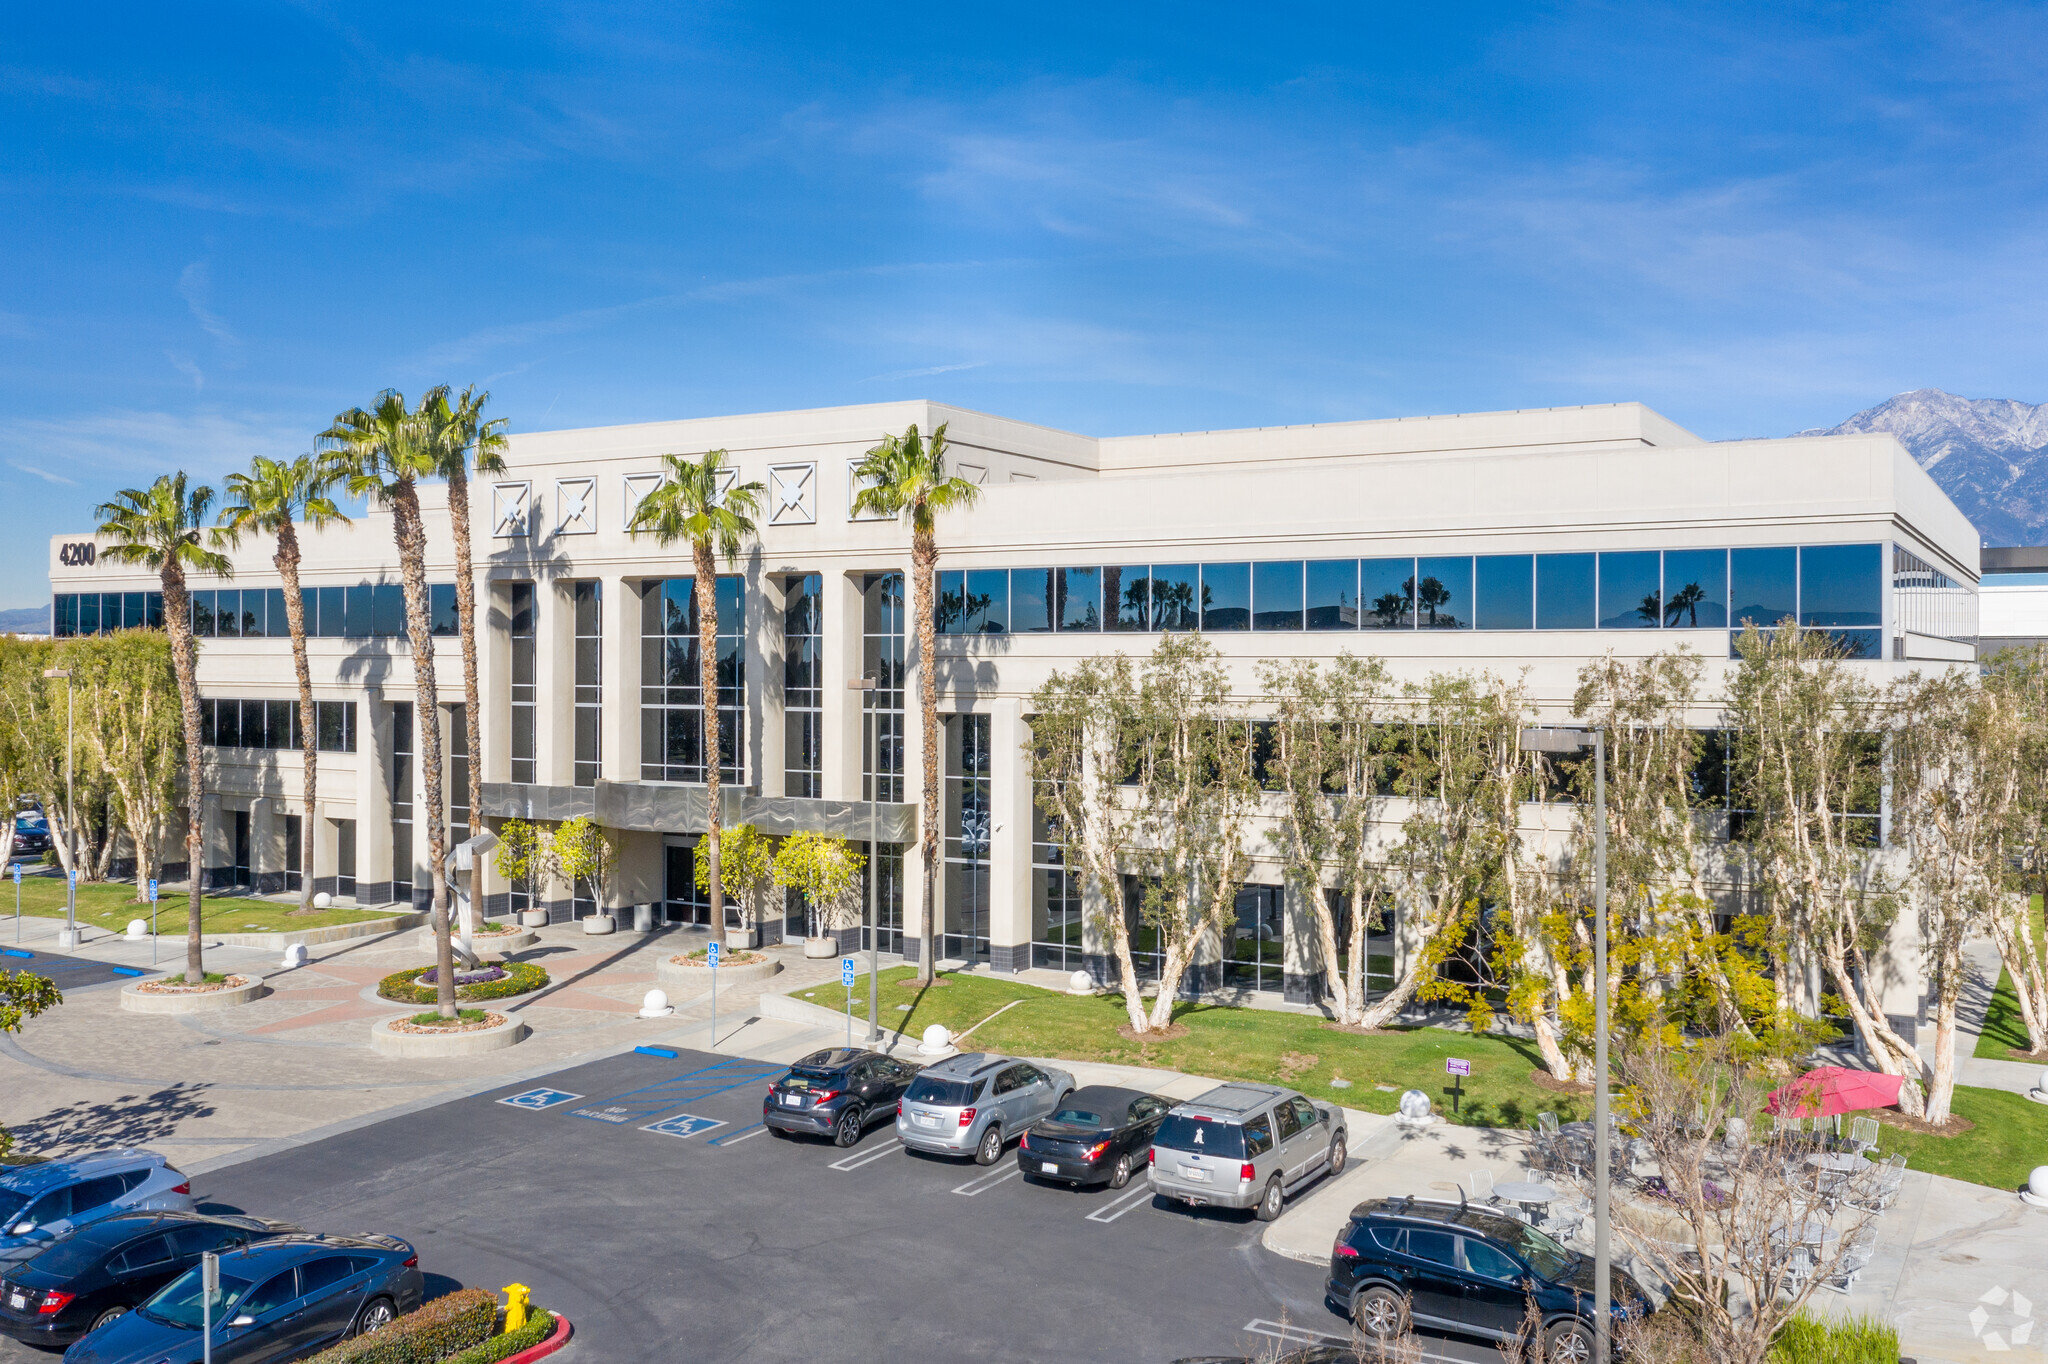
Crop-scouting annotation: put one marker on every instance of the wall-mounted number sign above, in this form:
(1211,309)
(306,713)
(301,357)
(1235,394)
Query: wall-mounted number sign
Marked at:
(77,554)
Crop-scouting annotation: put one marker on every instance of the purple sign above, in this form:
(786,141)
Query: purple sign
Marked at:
(1454,1066)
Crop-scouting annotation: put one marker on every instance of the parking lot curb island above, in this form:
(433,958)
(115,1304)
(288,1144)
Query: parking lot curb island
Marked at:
(498,943)
(557,1338)
(674,974)
(138,1001)
(415,1045)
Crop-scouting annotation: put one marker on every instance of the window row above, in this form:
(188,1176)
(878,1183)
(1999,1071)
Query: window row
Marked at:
(365,611)
(102,613)
(275,724)
(1827,586)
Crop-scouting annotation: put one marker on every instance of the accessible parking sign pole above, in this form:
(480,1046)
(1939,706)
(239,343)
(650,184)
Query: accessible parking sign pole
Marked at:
(152,921)
(846,980)
(209,1284)
(16,869)
(711,954)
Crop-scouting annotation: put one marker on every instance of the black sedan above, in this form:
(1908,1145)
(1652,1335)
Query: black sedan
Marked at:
(104,1269)
(1098,1136)
(839,1092)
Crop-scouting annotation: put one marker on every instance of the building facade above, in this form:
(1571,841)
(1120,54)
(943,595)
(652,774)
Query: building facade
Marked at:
(1512,542)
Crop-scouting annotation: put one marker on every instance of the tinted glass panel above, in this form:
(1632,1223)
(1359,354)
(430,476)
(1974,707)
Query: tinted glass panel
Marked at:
(1182,1133)
(1564,592)
(1128,588)
(1505,591)
(1080,592)
(1764,585)
(358,612)
(1176,597)
(940,1091)
(390,609)
(1332,594)
(323,1273)
(1437,1247)
(1485,1260)
(132,612)
(1226,596)
(1631,592)
(66,623)
(1695,588)
(988,601)
(89,614)
(1839,585)
(227,615)
(1258,1134)
(276,624)
(273,1295)
(1443,593)
(1031,600)
(1386,593)
(951,607)
(442,617)
(1276,595)
(333,612)
(202,615)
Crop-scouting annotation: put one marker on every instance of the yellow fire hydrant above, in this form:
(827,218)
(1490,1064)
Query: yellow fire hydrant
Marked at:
(517,1298)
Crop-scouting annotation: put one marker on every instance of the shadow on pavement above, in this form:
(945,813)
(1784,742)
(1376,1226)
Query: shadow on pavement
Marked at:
(131,1120)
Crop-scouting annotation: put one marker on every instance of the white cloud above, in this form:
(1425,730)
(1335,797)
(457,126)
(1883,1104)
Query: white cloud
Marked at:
(43,474)
(186,366)
(116,447)
(193,286)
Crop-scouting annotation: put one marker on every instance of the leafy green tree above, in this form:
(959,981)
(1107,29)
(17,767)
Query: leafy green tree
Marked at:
(524,855)
(746,871)
(128,729)
(583,851)
(163,529)
(271,499)
(825,870)
(692,505)
(906,477)
(23,995)
(2018,678)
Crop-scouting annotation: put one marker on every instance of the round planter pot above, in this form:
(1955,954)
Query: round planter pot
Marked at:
(673,975)
(600,923)
(817,948)
(413,1045)
(533,918)
(742,939)
(139,1001)
(498,943)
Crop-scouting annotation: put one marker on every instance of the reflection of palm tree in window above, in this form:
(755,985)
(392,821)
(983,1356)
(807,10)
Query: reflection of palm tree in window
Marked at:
(1430,595)
(1134,598)
(1653,606)
(977,606)
(1174,605)
(1685,602)
(952,610)
(1391,609)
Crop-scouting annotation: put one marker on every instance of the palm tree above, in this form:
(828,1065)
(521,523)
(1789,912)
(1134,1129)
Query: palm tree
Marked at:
(160,527)
(269,500)
(1685,602)
(689,505)
(462,434)
(906,476)
(386,450)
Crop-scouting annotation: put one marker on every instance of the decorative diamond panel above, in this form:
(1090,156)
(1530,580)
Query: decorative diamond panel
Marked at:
(637,486)
(854,484)
(792,494)
(575,506)
(511,508)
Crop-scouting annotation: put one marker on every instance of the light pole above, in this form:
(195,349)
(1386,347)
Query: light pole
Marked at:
(1574,741)
(70,809)
(867,686)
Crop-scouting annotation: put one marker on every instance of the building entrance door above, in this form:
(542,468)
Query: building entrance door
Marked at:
(682,902)
(241,869)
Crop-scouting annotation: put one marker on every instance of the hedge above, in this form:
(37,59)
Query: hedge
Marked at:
(521,977)
(539,1326)
(441,1328)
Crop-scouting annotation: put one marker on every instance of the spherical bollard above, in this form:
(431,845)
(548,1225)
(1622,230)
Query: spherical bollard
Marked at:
(937,1038)
(1738,1132)
(138,929)
(2036,1191)
(1415,1106)
(294,956)
(1080,983)
(654,1004)
(323,900)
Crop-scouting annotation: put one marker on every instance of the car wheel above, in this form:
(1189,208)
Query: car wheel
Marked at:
(1271,1201)
(103,1318)
(375,1316)
(1380,1313)
(991,1149)
(1121,1175)
(1568,1342)
(1337,1155)
(848,1130)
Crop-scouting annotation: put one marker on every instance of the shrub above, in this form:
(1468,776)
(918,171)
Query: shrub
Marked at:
(1856,1340)
(431,1019)
(521,977)
(439,1329)
(539,1326)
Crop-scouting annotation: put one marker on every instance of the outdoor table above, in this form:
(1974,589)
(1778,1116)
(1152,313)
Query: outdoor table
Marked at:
(1528,1193)
(1841,1163)
(1812,1232)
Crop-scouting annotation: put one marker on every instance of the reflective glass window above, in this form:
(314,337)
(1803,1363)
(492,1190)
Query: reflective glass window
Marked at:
(278,625)
(89,613)
(65,623)
(1443,593)
(1695,589)
(131,610)
(1226,596)
(202,614)
(1127,590)
(227,724)
(1276,595)
(1386,593)
(389,606)
(1331,590)
(988,601)
(227,615)
(1504,591)
(1080,593)
(153,609)
(1631,591)
(1764,586)
(332,614)
(1840,585)
(1564,592)
(358,612)
(1176,597)
(951,608)
(442,617)
(1030,600)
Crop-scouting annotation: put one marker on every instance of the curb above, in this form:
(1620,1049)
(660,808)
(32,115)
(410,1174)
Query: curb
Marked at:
(696,978)
(555,1341)
(416,1046)
(136,1001)
(313,937)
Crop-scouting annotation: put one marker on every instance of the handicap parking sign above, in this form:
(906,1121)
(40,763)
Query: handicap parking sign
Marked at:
(711,954)
(152,891)
(846,972)
(535,1100)
(683,1125)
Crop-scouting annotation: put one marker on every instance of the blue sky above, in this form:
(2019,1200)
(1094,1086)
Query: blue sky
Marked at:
(224,223)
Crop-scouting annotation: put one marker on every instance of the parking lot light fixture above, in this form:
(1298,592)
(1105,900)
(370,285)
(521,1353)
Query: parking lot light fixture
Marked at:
(868,683)
(1552,740)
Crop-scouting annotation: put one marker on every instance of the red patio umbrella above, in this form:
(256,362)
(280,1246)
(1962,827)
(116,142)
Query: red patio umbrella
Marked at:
(1828,1090)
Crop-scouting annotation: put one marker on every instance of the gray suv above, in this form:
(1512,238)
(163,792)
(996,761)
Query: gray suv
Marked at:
(1246,1146)
(973,1104)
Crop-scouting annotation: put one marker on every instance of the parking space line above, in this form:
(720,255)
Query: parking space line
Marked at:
(987,1182)
(867,1157)
(1129,1202)
(734,1138)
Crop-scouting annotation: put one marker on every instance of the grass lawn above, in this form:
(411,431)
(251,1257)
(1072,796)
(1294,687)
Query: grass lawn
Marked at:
(2002,1026)
(2004,1147)
(111,904)
(1301,1050)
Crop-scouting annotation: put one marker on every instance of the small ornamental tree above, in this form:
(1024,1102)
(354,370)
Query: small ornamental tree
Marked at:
(825,870)
(746,872)
(584,852)
(523,855)
(23,995)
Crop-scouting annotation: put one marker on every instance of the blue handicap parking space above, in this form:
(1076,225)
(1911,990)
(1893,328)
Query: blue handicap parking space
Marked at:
(683,1125)
(665,1096)
(535,1100)
(67,973)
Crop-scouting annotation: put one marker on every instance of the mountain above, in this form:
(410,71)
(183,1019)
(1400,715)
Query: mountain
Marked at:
(1990,455)
(29,619)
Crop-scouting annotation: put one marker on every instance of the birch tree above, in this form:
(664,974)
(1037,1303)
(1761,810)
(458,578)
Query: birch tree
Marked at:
(2018,680)
(129,730)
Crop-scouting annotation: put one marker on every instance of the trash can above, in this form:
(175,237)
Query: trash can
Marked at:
(643,918)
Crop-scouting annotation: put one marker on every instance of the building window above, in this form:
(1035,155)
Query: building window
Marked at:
(682,901)
(274,725)
(1504,591)
(589,637)
(1926,601)
(803,684)
(882,879)
(524,700)
(102,613)
(671,699)
(401,802)
(1055,899)
(458,775)
(294,851)
(965,923)
(884,657)
(1255,944)
(345,857)
(364,611)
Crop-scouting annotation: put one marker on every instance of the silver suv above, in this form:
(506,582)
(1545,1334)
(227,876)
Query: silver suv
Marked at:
(975,1103)
(1246,1146)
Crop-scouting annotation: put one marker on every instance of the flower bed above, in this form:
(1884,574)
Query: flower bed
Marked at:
(496,982)
(175,985)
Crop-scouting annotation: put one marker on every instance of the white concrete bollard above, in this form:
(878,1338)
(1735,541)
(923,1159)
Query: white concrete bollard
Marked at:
(936,1039)
(294,956)
(1080,983)
(1414,1110)
(654,1004)
(2036,1191)
(138,929)
(323,900)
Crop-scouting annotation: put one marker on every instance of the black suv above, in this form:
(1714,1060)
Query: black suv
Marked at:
(1466,1269)
(838,1093)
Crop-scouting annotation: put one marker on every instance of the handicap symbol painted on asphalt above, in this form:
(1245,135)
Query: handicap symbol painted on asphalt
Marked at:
(683,1125)
(535,1100)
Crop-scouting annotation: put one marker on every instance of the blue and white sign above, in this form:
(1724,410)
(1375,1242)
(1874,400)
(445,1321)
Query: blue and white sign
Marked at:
(74,876)
(152,890)
(711,955)
(17,877)
(534,1100)
(846,972)
(683,1125)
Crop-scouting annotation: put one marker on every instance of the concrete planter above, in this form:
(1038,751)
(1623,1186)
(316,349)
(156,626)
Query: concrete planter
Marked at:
(674,975)
(600,923)
(821,947)
(414,1045)
(742,939)
(498,943)
(138,1001)
(533,918)
(368,928)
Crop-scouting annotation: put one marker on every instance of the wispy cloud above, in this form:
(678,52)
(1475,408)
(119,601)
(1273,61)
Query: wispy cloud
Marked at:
(186,366)
(122,444)
(924,373)
(194,283)
(43,474)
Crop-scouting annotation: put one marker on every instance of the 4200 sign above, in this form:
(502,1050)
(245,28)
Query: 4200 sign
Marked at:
(77,554)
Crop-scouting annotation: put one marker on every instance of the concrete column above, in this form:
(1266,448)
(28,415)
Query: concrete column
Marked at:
(842,714)
(494,679)
(1009,854)
(554,747)
(266,845)
(765,656)
(619,675)
(373,798)
(326,840)
(216,840)
(1096,953)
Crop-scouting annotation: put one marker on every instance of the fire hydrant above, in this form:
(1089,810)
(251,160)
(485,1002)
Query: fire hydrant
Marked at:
(517,1298)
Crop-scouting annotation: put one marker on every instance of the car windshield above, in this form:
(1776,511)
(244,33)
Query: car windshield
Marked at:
(1079,1117)
(177,1303)
(1180,1132)
(942,1092)
(805,1079)
(12,1201)
(1544,1255)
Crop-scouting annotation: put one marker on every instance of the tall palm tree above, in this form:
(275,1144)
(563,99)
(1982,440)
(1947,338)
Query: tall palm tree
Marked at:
(689,505)
(161,527)
(270,500)
(906,477)
(461,434)
(386,450)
